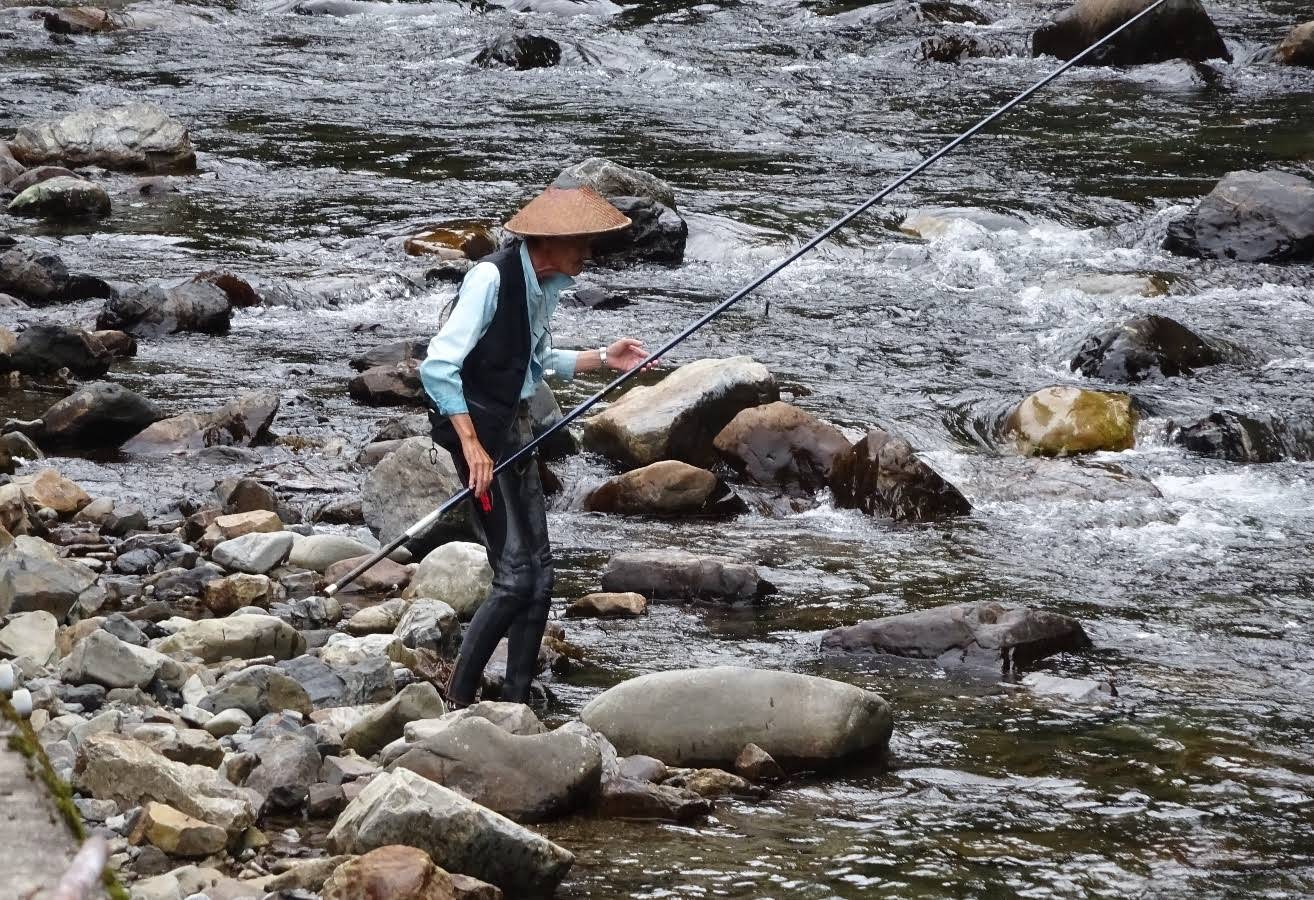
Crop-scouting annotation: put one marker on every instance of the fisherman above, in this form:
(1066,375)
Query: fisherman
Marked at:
(481,369)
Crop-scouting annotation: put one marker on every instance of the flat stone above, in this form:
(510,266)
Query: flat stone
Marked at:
(678,575)
(384,575)
(179,834)
(319,551)
(608,606)
(30,635)
(50,489)
(255,554)
(238,637)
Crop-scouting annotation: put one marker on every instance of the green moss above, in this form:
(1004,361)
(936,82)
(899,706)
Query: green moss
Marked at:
(24,741)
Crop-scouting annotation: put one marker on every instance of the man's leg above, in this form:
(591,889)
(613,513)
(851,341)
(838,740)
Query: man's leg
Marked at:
(526,633)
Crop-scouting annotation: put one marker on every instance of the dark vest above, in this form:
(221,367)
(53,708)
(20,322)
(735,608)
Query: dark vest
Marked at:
(493,374)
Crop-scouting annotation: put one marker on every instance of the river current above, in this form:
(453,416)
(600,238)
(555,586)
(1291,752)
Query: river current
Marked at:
(323,140)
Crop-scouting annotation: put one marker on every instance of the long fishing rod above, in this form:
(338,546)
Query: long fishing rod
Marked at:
(428,521)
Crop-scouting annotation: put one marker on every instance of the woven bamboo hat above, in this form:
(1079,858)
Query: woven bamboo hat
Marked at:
(567,212)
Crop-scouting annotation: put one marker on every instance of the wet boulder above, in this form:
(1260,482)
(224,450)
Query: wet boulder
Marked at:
(1041,480)
(679,575)
(408,484)
(954,48)
(626,605)
(39,174)
(62,198)
(41,278)
(667,488)
(78,20)
(528,778)
(983,634)
(396,872)
(101,414)
(401,807)
(1297,48)
(520,52)
(680,416)
(243,422)
(1250,217)
(458,239)
(45,349)
(707,717)
(153,310)
(391,353)
(1142,346)
(614,180)
(397,384)
(10,168)
(781,444)
(631,798)
(658,232)
(1247,438)
(1061,421)
(1179,29)
(882,475)
(138,137)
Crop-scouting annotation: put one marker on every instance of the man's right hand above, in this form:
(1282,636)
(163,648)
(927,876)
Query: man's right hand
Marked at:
(480,465)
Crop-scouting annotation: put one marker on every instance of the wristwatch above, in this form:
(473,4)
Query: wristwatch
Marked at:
(602,357)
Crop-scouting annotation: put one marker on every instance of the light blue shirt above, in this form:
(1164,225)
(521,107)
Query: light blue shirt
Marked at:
(440,373)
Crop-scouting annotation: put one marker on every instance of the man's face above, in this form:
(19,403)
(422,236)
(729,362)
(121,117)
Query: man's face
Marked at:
(569,254)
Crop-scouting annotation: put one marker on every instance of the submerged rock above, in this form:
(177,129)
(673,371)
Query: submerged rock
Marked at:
(139,137)
(1060,421)
(781,444)
(881,475)
(1036,480)
(980,634)
(401,807)
(520,52)
(659,233)
(101,414)
(1250,217)
(708,716)
(153,310)
(41,278)
(1297,48)
(62,198)
(45,349)
(243,422)
(678,575)
(680,416)
(1142,346)
(78,20)
(1249,439)
(1180,29)
(667,488)
(397,384)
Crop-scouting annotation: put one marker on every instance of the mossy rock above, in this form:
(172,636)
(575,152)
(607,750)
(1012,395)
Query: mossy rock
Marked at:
(1063,421)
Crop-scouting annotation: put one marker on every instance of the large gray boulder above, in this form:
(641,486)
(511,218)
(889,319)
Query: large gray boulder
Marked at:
(139,137)
(255,553)
(1180,29)
(707,716)
(128,772)
(984,634)
(258,691)
(402,807)
(658,233)
(243,421)
(457,573)
(101,414)
(45,349)
(680,416)
(611,179)
(529,778)
(153,310)
(238,637)
(882,475)
(1250,217)
(29,582)
(384,724)
(780,444)
(62,198)
(680,575)
(407,485)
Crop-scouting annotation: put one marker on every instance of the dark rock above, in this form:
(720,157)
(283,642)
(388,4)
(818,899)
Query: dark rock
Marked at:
(781,444)
(544,412)
(392,385)
(36,176)
(882,475)
(45,349)
(1250,439)
(125,630)
(677,575)
(626,798)
(1297,48)
(78,20)
(119,344)
(153,310)
(10,169)
(667,488)
(90,697)
(41,278)
(756,764)
(172,586)
(519,52)
(325,801)
(136,137)
(239,291)
(62,198)
(246,495)
(244,421)
(321,684)
(138,562)
(289,765)
(391,353)
(1180,29)
(1250,217)
(954,48)
(980,634)
(101,414)
(368,681)
(592,297)
(657,233)
(1143,345)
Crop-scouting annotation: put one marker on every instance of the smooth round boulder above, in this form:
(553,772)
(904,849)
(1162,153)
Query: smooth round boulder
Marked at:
(456,573)
(666,488)
(1297,48)
(62,198)
(1179,29)
(101,414)
(694,717)
(1062,421)
(780,444)
(44,349)
(319,551)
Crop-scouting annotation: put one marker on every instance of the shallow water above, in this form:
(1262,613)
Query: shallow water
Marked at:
(324,140)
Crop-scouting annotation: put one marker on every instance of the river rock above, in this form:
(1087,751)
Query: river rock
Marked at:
(101,414)
(627,605)
(30,636)
(238,637)
(10,168)
(289,765)
(882,475)
(154,310)
(459,239)
(62,198)
(781,444)
(679,417)
(544,412)
(39,174)
(520,52)
(680,575)
(1247,438)
(239,291)
(611,179)
(657,233)
(707,716)
(1040,480)
(235,525)
(254,553)
(239,495)
(319,551)
(756,764)
(460,836)
(42,278)
(666,488)
(1180,29)
(456,573)
(225,596)
(177,833)
(397,384)
(128,772)
(1250,217)
(630,798)
(1142,346)
(244,422)
(406,486)
(139,137)
(395,872)
(258,691)
(52,490)
(1061,421)
(1297,48)
(44,349)
(391,353)
(185,745)
(981,634)
(29,583)
(385,724)
(528,778)
(101,658)
(78,20)
(381,618)
(384,575)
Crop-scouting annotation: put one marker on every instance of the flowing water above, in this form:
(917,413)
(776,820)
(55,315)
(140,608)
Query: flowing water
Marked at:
(325,139)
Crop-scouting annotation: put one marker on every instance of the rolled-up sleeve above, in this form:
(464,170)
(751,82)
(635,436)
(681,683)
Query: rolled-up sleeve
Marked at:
(561,362)
(440,373)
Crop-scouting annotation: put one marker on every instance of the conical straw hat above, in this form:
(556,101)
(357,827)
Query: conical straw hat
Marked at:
(567,212)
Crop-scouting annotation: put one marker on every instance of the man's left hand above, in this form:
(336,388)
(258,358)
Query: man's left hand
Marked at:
(625,354)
